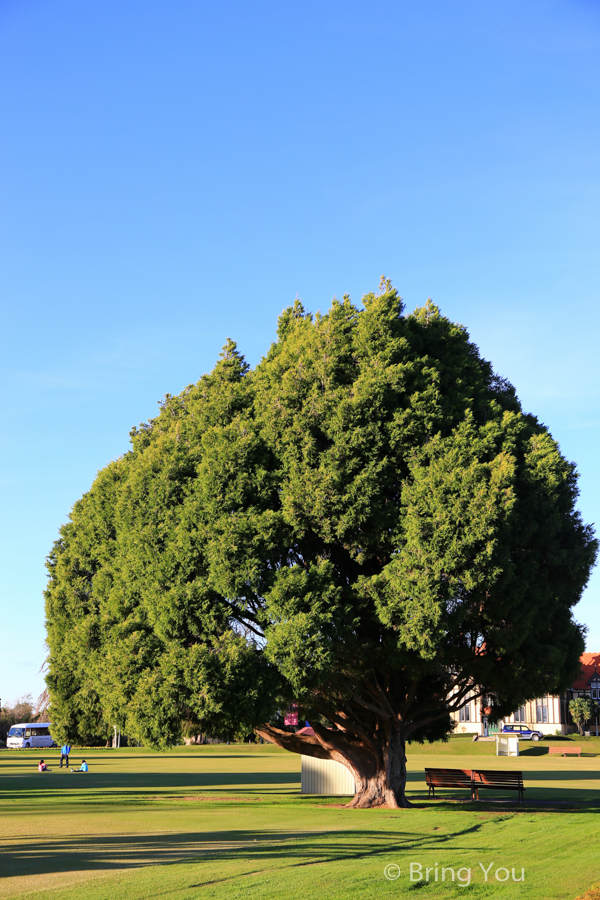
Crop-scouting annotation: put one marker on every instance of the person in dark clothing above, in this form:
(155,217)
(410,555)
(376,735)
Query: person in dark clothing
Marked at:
(64,754)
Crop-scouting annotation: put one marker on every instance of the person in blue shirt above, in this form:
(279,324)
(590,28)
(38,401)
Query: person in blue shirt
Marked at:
(64,754)
(82,768)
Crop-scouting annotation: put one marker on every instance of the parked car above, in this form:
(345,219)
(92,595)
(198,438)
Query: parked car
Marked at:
(523,731)
(26,735)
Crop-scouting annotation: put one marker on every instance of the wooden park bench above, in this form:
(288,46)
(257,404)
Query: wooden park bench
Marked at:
(448,778)
(497,781)
(562,751)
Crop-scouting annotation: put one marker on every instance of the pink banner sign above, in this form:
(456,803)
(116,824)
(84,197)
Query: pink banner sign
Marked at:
(291,716)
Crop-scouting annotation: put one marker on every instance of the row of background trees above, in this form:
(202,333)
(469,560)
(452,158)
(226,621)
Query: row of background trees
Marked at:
(25,709)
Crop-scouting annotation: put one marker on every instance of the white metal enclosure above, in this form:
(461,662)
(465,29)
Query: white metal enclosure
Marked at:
(507,745)
(324,776)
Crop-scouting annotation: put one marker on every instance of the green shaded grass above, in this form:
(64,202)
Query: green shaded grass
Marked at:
(229,821)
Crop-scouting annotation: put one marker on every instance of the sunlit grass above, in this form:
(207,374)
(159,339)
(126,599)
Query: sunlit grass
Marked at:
(229,821)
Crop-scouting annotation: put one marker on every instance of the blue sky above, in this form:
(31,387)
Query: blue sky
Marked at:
(172,174)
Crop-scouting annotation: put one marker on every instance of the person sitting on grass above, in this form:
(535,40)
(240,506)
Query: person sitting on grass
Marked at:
(82,768)
(42,767)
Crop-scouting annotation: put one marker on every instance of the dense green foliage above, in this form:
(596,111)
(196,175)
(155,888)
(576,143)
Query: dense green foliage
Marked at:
(581,710)
(366,523)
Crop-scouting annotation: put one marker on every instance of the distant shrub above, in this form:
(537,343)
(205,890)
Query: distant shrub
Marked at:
(20,711)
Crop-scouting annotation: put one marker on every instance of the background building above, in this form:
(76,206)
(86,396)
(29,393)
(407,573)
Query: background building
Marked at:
(547,714)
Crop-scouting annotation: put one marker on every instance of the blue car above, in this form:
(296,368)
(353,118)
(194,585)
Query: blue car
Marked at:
(523,731)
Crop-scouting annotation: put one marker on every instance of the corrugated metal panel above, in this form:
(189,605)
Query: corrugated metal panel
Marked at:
(325,776)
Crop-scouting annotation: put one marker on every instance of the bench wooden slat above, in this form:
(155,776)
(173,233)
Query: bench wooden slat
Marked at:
(449,778)
(474,779)
(449,773)
(497,775)
(498,780)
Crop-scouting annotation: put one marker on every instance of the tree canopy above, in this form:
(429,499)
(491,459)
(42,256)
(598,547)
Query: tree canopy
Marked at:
(366,524)
(581,709)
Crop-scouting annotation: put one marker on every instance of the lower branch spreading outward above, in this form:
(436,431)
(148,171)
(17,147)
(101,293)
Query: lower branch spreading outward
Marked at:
(305,744)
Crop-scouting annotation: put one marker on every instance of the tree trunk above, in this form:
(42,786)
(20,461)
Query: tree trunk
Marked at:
(386,786)
(380,776)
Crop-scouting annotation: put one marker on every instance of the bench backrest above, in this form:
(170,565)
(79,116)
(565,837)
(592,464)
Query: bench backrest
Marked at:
(448,777)
(565,749)
(495,776)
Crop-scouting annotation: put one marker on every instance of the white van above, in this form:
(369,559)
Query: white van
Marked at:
(29,735)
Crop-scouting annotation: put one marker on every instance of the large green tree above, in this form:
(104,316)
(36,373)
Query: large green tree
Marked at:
(366,524)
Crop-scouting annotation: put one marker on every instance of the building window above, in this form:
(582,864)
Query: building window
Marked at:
(542,710)
(520,714)
(594,692)
(464,714)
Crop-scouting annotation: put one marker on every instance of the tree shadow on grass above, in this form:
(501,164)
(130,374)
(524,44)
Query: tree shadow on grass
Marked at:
(562,774)
(494,801)
(116,787)
(133,783)
(537,750)
(507,804)
(32,757)
(36,856)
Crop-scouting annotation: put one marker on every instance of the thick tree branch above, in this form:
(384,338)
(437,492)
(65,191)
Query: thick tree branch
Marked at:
(377,710)
(297,743)
(346,724)
(392,714)
(409,698)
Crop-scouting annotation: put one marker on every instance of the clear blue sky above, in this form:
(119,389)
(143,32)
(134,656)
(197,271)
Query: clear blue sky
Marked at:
(174,173)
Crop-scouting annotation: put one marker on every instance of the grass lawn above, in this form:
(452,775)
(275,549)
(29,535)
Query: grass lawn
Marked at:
(229,822)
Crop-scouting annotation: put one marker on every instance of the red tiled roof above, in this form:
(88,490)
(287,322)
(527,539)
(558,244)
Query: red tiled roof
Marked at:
(589,663)
(308,731)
